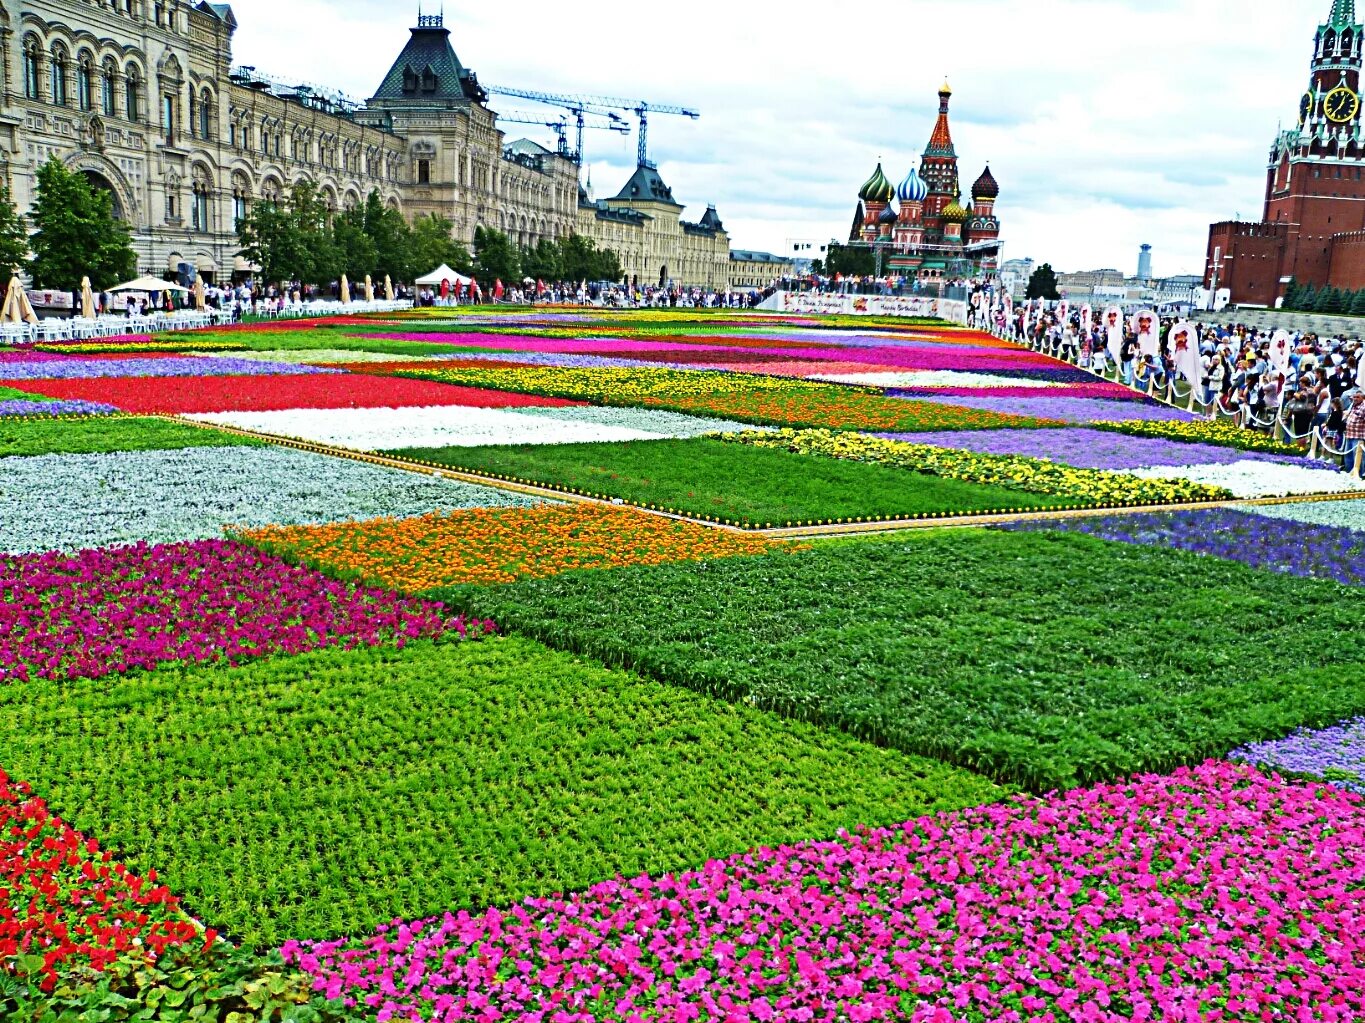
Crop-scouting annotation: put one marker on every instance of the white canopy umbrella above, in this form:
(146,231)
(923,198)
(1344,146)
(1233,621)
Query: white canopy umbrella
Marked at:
(369,289)
(149,284)
(345,290)
(87,299)
(443,273)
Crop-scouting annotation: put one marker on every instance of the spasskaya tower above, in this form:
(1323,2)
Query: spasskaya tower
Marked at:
(1313,228)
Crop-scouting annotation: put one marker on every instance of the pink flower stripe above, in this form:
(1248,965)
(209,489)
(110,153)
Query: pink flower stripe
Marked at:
(110,611)
(1212,894)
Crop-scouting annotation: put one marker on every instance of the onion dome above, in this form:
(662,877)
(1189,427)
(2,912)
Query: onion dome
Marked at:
(946,89)
(913,188)
(985,187)
(888,215)
(878,188)
(953,213)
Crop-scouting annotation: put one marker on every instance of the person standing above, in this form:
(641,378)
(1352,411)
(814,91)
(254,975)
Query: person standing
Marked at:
(1355,431)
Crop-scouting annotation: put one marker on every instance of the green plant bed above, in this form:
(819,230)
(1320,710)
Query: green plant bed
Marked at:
(1041,660)
(99,434)
(324,794)
(754,486)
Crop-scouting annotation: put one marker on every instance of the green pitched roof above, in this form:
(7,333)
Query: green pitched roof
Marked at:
(645,185)
(428,72)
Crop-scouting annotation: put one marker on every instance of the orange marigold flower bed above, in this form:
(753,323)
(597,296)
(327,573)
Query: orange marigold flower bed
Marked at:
(492,546)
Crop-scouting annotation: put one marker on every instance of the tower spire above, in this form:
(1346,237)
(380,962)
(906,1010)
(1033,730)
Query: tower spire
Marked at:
(1343,12)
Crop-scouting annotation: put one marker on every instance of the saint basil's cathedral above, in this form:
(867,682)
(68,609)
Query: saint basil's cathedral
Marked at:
(932,236)
(1312,230)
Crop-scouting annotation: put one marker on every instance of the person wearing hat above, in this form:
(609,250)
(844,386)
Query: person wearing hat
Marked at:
(1355,430)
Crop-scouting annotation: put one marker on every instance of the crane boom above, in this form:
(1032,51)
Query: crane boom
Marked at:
(578,105)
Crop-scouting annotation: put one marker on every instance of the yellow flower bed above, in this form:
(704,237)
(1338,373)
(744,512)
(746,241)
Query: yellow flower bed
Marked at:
(1035,476)
(1204,431)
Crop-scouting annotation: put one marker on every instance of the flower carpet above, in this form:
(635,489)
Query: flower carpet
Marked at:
(309,714)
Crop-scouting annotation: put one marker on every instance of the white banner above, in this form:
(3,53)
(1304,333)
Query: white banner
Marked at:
(1147,329)
(1113,329)
(1185,353)
(1281,347)
(814,302)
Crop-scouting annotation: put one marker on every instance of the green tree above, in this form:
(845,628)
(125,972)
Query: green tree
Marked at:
(392,240)
(1358,306)
(13,236)
(77,233)
(1043,283)
(543,261)
(1308,298)
(851,261)
(582,260)
(1291,295)
(1328,300)
(430,244)
(292,239)
(354,246)
(496,257)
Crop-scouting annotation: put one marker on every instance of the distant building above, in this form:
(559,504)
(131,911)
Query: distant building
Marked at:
(1313,226)
(1144,271)
(1015,275)
(932,236)
(757,269)
(1085,284)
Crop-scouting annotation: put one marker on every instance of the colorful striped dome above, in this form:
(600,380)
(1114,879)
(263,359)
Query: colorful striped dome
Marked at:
(913,188)
(878,188)
(953,213)
(889,215)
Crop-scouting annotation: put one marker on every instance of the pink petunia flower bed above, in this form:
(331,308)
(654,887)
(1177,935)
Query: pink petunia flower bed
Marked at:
(1218,893)
(109,611)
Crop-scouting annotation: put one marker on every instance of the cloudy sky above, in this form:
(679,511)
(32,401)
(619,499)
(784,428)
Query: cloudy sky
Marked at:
(1108,123)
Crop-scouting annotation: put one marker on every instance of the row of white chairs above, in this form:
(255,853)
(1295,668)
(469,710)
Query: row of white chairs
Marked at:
(300,310)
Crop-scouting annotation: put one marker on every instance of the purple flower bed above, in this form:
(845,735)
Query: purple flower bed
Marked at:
(113,610)
(1073,410)
(1084,448)
(1277,545)
(1211,894)
(1335,754)
(75,407)
(188,366)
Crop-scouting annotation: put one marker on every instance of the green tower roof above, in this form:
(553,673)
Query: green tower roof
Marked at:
(1343,13)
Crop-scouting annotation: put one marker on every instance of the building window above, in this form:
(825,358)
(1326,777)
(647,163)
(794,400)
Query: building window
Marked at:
(85,84)
(199,216)
(168,116)
(31,69)
(171,206)
(133,95)
(239,207)
(107,89)
(424,172)
(58,72)
(194,116)
(232,134)
(205,116)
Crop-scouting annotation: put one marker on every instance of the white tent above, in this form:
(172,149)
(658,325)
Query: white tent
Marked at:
(443,273)
(149,284)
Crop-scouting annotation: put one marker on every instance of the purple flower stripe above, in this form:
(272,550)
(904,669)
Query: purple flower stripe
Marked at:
(189,366)
(1073,410)
(74,407)
(1093,449)
(561,361)
(1336,754)
(1277,545)
(114,610)
(1214,893)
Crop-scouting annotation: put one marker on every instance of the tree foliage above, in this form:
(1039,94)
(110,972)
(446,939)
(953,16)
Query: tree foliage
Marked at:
(13,236)
(77,233)
(1043,283)
(851,261)
(496,257)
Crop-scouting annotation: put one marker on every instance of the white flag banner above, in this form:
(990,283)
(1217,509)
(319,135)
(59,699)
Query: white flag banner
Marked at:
(1281,347)
(1113,329)
(1147,329)
(1009,310)
(1087,319)
(1063,312)
(1185,353)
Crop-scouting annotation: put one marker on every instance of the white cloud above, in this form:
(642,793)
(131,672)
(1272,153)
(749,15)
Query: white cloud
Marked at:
(1108,123)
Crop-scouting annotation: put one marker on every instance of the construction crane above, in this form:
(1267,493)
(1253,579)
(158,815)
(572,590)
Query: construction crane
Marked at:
(605,105)
(561,128)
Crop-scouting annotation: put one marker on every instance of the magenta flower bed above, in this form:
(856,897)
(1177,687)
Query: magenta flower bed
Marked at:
(1108,391)
(1212,894)
(108,611)
(1073,410)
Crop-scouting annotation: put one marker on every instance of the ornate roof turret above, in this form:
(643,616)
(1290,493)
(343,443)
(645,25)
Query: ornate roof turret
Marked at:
(889,215)
(953,213)
(877,188)
(986,187)
(1343,13)
(427,73)
(711,219)
(941,141)
(913,188)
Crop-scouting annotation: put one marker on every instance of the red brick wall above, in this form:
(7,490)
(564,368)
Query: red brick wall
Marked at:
(1251,259)
(1348,261)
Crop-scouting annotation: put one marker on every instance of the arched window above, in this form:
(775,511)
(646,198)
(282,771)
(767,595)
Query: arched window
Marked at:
(241,201)
(32,68)
(199,212)
(58,75)
(107,78)
(205,115)
(85,82)
(194,115)
(132,94)
(168,116)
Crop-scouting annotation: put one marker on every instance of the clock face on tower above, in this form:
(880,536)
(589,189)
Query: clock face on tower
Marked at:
(1341,105)
(1305,107)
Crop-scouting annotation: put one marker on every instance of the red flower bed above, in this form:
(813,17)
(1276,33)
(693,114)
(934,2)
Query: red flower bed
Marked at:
(64,899)
(187,395)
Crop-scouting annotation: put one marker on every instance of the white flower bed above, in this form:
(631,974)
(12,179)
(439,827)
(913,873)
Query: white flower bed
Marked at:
(1259,479)
(935,378)
(73,502)
(379,429)
(1346,514)
(315,356)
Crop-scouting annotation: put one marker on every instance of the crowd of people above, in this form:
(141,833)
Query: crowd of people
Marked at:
(1298,383)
